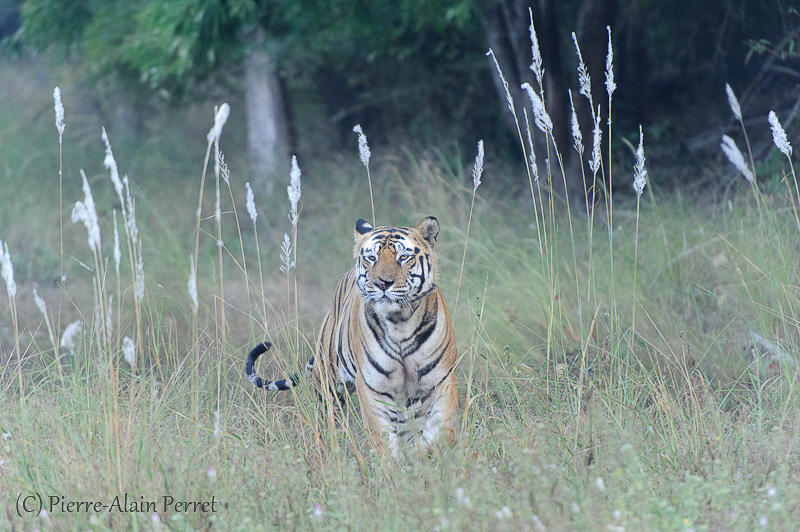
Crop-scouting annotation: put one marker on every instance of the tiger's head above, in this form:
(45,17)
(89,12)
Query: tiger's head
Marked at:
(395,266)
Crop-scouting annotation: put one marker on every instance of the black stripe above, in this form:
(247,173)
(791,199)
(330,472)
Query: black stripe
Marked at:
(385,394)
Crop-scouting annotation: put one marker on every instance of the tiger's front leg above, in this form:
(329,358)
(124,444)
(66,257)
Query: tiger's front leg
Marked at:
(381,417)
(440,420)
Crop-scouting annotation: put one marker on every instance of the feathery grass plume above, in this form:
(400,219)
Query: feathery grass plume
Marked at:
(251,203)
(111,164)
(7,270)
(597,137)
(139,292)
(293,190)
(217,432)
(220,117)
(733,102)
(59,108)
(192,285)
(41,304)
(364,153)
(610,85)
(536,54)
(84,211)
(477,170)
(117,251)
(286,254)
(540,116)
(363,147)
(577,137)
(509,99)
(584,81)
(129,351)
(639,171)
(779,135)
(223,169)
(736,158)
(532,159)
(69,338)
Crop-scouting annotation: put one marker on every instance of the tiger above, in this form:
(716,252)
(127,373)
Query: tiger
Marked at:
(389,339)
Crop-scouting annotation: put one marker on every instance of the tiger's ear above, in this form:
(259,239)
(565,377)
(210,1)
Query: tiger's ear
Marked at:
(429,229)
(363,227)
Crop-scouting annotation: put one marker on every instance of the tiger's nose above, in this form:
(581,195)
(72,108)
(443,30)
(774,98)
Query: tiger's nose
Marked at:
(384,284)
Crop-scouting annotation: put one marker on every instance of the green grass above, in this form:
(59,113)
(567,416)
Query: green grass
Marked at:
(685,427)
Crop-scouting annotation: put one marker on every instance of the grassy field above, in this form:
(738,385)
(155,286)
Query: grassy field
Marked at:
(630,369)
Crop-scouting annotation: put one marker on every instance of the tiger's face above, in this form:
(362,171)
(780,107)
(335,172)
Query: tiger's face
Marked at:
(395,266)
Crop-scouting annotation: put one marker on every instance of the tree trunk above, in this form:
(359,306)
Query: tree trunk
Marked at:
(506,26)
(267,124)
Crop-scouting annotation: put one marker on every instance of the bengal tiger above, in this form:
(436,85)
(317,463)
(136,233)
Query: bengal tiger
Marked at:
(388,338)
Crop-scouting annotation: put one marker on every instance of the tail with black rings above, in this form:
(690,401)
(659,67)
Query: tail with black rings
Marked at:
(274,386)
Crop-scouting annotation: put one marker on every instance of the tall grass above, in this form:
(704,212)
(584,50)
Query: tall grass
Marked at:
(646,380)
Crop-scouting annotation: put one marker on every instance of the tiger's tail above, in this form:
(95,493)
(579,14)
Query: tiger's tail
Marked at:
(275,386)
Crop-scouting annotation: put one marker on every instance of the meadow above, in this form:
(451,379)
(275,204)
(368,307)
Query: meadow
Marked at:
(630,366)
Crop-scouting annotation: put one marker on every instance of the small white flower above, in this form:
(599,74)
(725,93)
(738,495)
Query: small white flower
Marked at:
(763,521)
(212,474)
(600,484)
(771,491)
(733,102)
(477,170)
(129,351)
(779,135)
(59,107)
(220,117)
(461,499)
(504,513)
(736,158)
(363,147)
(538,526)
(251,203)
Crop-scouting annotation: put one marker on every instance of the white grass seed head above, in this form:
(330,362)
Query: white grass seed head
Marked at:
(733,102)
(221,115)
(293,190)
(610,85)
(129,351)
(7,269)
(639,171)
(736,158)
(192,285)
(84,211)
(251,203)
(477,170)
(59,108)
(363,147)
(540,116)
(779,135)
